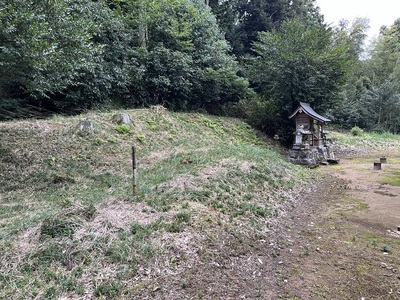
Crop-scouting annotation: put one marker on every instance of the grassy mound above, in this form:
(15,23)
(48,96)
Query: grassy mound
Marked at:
(209,191)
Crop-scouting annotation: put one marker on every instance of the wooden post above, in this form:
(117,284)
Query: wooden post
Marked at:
(134,169)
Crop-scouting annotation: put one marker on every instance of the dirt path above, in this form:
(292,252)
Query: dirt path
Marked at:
(349,245)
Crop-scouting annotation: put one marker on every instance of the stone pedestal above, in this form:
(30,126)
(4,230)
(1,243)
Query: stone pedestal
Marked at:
(301,155)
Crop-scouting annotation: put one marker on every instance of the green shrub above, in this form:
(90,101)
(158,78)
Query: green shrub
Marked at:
(357,131)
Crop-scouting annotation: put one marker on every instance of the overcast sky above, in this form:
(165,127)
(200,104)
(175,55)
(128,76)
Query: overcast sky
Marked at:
(379,12)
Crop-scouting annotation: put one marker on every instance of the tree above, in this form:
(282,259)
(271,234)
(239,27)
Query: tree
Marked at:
(186,57)
(354,34)
(301,62)
(111,76)
(385,54)
(371,98)
(242,20)
(384,102)
(71,55)
(43,44)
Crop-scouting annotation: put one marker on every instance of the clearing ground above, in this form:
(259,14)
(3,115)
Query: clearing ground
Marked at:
(345,244)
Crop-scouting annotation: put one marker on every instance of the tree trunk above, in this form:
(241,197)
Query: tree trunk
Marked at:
(143,30)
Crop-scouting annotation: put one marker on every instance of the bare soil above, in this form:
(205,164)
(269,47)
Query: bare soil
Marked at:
(345,240)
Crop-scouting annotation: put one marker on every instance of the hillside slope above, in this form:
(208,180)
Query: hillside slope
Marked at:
(211,193)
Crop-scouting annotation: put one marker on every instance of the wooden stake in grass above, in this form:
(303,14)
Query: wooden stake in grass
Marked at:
(134,169)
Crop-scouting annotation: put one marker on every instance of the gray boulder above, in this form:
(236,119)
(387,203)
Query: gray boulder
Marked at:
(123,119)
(86,126)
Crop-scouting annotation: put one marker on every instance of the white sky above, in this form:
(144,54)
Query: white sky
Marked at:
(381,12)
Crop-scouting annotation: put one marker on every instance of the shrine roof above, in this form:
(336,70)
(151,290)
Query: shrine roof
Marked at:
(306,108)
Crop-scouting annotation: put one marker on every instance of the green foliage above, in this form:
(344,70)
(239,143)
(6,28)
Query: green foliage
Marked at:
(68,56)
(183,217)
(48,254)
(301,62)
(123,129)
(372,96)
(377,108)
(243,20)
(357,131)
(384,55)
(141,137)
(111,75)
(44,44)
(353,34)
(260,113)
(187,65)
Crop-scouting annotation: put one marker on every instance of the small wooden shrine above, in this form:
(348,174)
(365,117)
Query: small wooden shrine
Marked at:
(311,147)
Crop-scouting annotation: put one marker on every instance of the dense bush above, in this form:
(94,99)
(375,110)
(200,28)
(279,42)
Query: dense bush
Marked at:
(357,131)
